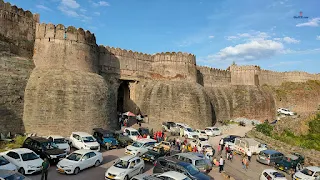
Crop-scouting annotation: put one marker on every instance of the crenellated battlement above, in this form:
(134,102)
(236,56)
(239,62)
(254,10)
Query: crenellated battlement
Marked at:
(125,53)
(52,32)
(175,57)
(8,11)
(214,71)
(244,68)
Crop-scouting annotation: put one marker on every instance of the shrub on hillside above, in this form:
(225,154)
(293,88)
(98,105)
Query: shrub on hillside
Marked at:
(265,128)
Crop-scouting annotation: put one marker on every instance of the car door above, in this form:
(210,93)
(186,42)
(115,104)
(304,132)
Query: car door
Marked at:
(132,168)
(78,142)
(85,161)
(14,158)
(93,158)
(37,148)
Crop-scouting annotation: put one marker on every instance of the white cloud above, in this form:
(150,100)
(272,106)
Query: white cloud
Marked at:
(83,10)
(253,35)
(68,12)
(70,4)
(315,22)
(318,38)
(100,3)
(39,6)
(230,38)
(290,40)
(284,63)
(253,50)
(97,13)
(210,37)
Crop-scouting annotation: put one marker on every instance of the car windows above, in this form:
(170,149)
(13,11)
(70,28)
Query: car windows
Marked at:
(171,166)
(267,176)
(28,141)
(86,156)
(165,178)
(76,136)
(138,161)
(13,155)
(162,162)
(176,156)
(92,154)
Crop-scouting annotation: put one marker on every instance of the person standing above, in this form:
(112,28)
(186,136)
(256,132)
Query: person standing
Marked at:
(249,154)
(45,167)
(221,164)
(244,163)
(221,144)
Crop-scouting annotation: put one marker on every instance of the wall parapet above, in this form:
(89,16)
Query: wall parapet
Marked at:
(175,57)
(52,32)
(244,68)
(125,53)
(12,11)
(213,71)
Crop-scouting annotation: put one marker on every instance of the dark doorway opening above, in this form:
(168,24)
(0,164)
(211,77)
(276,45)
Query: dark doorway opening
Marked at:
(123,96)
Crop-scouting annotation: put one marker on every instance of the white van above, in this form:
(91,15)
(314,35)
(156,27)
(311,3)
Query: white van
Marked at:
(242,145)
(140,146)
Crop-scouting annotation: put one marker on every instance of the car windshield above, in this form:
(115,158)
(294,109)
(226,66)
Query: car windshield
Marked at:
(215,129)
(189,129)
(200,162)
(49,145)
(307,172)
(29,156)
(134,133)
(192,169)
(74,157)
(108,135)
(172,124)
(137,144)
(88,139)
(276,174)
(15,177)
(203,132)
(122,164)
(3,161)
(60,141)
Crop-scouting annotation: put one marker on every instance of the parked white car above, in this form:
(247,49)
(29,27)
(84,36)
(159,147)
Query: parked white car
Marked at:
(308,173)
(200,144)
(140,146)
(271,174)
(79,160)
(83,140)
(61,142)
(212,131)
(125,168)
(190,133)
(6,165)
(132,133)
(285,111)
(167,175)
(202,134)
(26,161)
(11,175)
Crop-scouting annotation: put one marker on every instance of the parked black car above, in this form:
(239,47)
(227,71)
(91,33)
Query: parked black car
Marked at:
(165,164)
(292,161)
(44,148)
(122,139)
(230,138)
(153,154)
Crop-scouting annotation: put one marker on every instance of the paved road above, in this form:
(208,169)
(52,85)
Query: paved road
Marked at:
(97,173)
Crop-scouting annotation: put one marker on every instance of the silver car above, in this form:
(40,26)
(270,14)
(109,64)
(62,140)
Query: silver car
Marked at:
(198,162)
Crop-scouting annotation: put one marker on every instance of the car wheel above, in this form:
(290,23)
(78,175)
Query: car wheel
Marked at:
(21,170)
(97,163)
(126,178)
(76,171)
(141,171)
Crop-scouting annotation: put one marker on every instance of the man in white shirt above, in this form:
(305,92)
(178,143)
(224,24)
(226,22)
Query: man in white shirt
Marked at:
(221,164)
(249,154)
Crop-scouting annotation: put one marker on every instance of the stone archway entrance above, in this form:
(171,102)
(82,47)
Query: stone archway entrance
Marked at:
(123,96)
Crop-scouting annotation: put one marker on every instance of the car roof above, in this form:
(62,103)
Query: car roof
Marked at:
(39,139)
(103,131)
(212,127)
(270,151)
(131,129)
(173,174)
(171,159)
(144,140)
(6,173)
(313,168)
(275,173)
(292,156)
(127,158)
(190,156)
(21,150)
(83,151)
(81,133)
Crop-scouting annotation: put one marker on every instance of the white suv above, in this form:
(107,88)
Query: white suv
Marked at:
(285,111)
(132,133)
(125,168)
(140,146)
(61,142)
(202,134)
(83,140)
(212,131)
(190,133)
(270,174)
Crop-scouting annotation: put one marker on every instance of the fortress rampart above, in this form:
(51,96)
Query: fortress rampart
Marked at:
(17,30)
(244,75)
(213,77)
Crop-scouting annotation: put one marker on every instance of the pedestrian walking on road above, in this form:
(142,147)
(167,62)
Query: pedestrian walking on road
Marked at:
(219,149)
(45,167)
(221,144)
(221,164)
(249,154)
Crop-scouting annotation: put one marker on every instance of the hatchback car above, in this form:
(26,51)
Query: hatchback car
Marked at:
(105,138)
(269,157)
(165,164)
(308,173)
(125,168)
(83,140)
(44,148)
(198,162)
(26,161)
(79,160)
(271,174)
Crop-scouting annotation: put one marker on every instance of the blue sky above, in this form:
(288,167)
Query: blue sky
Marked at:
(218,32)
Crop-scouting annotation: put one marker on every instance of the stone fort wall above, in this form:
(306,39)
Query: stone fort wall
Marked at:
(213,77)
(17,30)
